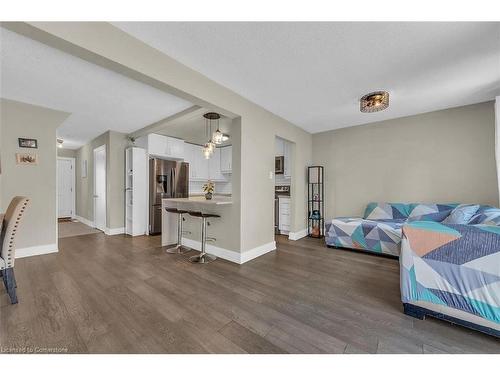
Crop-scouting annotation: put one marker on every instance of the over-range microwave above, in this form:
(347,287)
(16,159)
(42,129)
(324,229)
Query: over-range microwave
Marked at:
(279,165)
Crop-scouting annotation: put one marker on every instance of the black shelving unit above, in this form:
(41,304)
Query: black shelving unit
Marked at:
(315,202)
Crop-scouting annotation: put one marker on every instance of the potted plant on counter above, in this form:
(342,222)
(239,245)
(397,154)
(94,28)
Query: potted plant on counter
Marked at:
(208,188)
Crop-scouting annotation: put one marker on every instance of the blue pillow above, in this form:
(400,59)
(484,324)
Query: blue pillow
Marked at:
(461,214)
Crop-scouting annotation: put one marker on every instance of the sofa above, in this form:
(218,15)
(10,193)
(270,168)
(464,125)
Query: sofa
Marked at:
(452,271)
(448,270)
(379,230)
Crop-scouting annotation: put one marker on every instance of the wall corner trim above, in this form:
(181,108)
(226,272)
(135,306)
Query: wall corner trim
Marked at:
(294,236)
(114,231)
(84,221)
(257,252)
(36,250)
(230,255)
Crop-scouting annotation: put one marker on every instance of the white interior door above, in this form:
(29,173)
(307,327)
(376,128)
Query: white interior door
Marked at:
(100,188)
(65,187)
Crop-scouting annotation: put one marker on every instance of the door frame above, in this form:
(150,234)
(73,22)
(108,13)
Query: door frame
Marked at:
(73,181)
(96,150)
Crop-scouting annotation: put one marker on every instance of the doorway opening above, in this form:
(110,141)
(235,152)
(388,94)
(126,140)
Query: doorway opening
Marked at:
(100,188)
(283,192)
(65,188)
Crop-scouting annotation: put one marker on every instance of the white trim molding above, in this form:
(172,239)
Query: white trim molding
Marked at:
(108,231)
(36,250)
(257,252)
(114,231)
(84,221)
(230,255)
(294,236)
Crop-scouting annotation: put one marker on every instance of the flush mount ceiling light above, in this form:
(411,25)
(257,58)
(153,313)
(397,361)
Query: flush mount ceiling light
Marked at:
(374,102)
(59,142)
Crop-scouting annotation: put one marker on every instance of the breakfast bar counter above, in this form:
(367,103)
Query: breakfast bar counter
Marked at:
(220,205)
(215,201)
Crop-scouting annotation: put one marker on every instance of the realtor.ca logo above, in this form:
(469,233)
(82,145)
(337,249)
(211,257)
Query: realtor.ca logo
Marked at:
(31,350)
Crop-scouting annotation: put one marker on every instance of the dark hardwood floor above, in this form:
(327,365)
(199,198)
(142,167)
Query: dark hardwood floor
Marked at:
(116,294)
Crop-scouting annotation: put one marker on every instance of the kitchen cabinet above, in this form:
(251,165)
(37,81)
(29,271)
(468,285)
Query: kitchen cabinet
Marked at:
(162,146)
(287,153)
(284,214)
(214,166)
(226,159)
(279,147)
(201,169)
(198,165)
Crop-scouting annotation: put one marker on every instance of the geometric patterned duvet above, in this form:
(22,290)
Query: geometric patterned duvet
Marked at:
(379,230)
(380,236)
(453,265)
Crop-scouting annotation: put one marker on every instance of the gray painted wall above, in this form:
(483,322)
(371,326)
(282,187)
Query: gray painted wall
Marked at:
(253,194)
(115,143)
(38,182)
(442,156)
(66,153)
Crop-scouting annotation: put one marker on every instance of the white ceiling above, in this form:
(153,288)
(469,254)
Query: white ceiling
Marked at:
(191,127)
(98,99)
(313,74)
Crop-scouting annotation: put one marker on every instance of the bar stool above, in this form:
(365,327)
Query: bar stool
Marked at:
(203,257)
(178,248)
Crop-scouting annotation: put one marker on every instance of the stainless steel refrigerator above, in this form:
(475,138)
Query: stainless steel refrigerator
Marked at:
(167,179)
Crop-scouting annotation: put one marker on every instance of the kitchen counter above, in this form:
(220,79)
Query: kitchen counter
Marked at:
(215,201)
(220,205)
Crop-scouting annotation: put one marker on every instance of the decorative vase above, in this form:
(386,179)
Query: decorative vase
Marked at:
(208,196)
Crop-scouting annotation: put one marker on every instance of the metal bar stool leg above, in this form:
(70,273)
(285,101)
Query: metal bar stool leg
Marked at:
(178,248)
(203,257)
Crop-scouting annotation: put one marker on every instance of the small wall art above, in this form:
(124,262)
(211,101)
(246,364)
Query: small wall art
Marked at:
(27,143)
(26,159)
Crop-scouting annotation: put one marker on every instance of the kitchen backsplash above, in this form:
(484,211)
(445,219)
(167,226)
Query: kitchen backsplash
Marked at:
(196,187)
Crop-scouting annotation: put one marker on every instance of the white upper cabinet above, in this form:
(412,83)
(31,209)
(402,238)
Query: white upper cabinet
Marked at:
(279,147)
(175,148)
(226,159)
(214,166)
(198,165)
(162,146)
(287,153)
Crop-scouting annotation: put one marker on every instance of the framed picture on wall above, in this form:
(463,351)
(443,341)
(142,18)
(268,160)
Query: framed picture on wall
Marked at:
(26,159)
(27,143)
(84,168)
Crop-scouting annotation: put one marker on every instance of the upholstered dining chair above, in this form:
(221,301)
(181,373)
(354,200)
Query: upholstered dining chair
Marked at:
(9,230)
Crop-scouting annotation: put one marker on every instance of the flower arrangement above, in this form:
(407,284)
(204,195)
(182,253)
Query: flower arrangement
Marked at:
(208,188)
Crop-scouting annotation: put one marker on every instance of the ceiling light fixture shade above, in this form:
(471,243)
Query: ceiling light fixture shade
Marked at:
(213,139)
(59,142)
(206,151)
(218,137)
(374,102)
(225,137)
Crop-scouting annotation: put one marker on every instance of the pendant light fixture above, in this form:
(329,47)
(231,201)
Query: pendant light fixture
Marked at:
(209,147)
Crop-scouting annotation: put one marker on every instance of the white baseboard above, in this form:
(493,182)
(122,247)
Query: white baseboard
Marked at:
(84,221)
(230,255)
(108,231)
(114,231)
(257,252)
(294,236)
(36,250)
